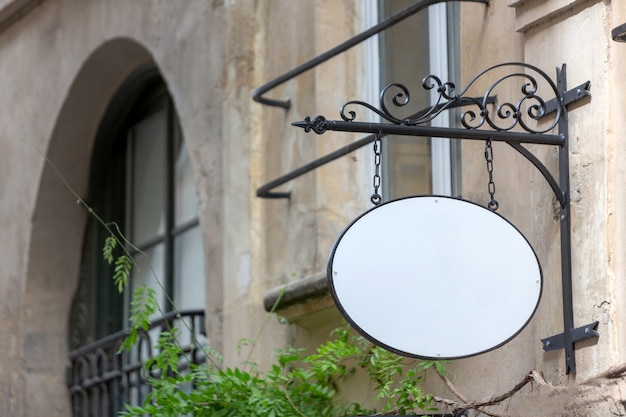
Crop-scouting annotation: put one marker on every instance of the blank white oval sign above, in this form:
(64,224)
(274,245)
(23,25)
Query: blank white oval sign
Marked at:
(435,277)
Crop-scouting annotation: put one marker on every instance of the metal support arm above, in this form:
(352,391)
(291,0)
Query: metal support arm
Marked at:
(257,94)
(320,125)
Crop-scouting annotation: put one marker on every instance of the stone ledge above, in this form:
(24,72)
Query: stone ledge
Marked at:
(301,298)
(532,13)
(296,292)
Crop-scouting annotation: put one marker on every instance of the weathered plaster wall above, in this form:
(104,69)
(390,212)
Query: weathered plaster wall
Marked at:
(561,38)
(588,168)
(296,235)
(616,183)
(53,97)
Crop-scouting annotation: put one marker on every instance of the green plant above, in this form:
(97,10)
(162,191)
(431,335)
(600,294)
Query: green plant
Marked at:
(295,385)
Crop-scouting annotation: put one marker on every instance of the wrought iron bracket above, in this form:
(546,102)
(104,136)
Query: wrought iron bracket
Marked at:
(558,341)
(529,119)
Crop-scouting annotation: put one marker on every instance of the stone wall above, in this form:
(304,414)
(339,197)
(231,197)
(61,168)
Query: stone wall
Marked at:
(61,64)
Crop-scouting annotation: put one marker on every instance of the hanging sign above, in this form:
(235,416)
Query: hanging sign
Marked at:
(435,277)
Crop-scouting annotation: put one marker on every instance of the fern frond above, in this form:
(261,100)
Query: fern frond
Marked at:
(109,246)
(123,264)
(143,306)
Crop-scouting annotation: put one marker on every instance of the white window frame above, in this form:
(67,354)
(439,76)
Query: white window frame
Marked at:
(438,46)
(440,147)
(371,76)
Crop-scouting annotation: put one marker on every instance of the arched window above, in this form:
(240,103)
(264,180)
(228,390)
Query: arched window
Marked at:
(141,182)
(141,179)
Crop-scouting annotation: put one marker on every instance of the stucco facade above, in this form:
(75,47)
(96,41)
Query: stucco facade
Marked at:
(62,61)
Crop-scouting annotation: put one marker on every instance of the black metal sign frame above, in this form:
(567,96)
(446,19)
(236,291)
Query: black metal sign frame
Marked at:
(514,122)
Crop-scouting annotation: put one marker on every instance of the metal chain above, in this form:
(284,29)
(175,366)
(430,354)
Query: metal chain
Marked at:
(491,186)
(376,198)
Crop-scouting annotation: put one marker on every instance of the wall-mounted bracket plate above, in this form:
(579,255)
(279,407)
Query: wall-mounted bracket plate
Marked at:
(557,341)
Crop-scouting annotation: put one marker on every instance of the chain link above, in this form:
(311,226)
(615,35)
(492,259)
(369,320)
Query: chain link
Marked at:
(491,186)
(376,198)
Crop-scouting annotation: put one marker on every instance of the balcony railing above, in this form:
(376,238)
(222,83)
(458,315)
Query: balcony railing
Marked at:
(101,380)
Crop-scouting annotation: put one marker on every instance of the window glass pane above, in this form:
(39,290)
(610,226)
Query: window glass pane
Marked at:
(404,57)
(405,54)
(186,201)
(189,270)
(409,167)
(148,180)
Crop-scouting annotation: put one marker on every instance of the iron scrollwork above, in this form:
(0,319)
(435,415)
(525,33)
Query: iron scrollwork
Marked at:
(482,112)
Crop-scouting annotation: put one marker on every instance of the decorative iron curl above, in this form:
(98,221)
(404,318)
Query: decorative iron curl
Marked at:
(399,99)
(504,117)
(399,95)
(508,115)
(350,116)
(444,100)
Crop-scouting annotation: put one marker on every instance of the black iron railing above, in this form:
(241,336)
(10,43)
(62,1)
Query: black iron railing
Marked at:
(101,380)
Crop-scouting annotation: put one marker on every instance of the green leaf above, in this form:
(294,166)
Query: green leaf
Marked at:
(109,246)
(441,370)
(143,306)
(123,265)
